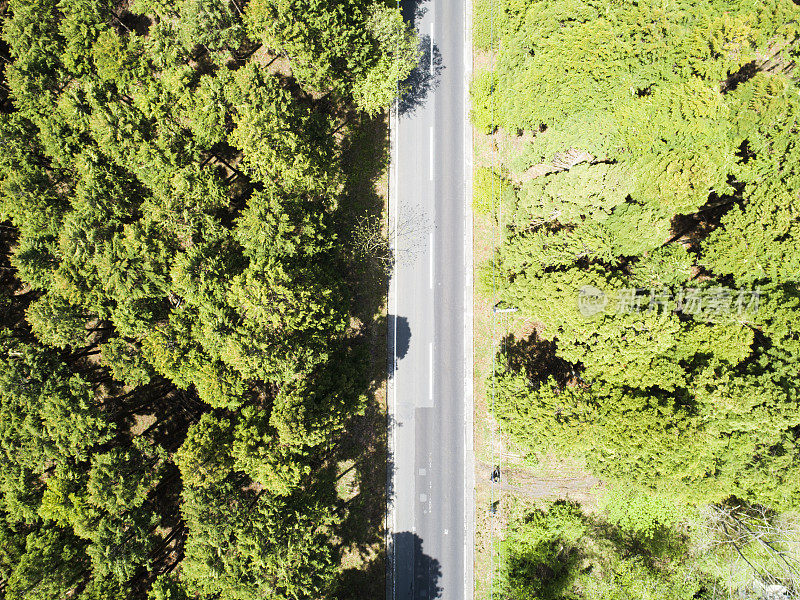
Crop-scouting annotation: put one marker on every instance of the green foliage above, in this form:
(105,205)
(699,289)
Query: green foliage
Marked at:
(758,241)
(245,545)
(667,266)
(83,22)
(398,40)
(126,362)
(12,547)
(47,415)
(108,507)
(493,19)
(167,587)
(584,190)
(53,564)
(105,588)
(635,230)
(640,513)
(542,542)
(605,82)
(661,170)
(122,479)
(699,448)
(56,322)
(256,452)
(558,551)
(207,110)
(279,137)
(491,190)
(204,457)
(210,23)
(482,89)
(357,49)
(178,297)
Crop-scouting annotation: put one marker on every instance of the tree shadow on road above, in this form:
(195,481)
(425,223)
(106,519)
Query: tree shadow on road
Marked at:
(399,341)
(423,79)
(413,10)
(414,573)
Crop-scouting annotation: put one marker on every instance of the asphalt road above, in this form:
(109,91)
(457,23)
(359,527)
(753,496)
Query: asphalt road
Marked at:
(430,346)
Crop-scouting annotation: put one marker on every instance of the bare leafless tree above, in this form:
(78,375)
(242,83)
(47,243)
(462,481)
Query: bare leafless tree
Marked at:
(757,551)
(370,239)
(374,239)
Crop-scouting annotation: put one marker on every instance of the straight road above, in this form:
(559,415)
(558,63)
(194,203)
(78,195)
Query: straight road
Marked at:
(430,327)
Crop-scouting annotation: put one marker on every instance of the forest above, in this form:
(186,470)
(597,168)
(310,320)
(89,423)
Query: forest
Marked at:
(184,333)
(647,191)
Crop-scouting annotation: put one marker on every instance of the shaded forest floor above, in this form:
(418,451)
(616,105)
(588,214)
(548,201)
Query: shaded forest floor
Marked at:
(361,457)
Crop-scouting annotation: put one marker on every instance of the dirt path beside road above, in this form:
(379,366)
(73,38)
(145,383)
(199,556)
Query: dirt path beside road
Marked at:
(548,486)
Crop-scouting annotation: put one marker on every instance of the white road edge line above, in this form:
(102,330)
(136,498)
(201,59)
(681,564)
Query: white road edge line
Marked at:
(430,64)
(469,468)
(430,268)
(430,139)
(430,371)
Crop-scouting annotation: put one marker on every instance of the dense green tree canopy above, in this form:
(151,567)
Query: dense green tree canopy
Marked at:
(650,229)
(180,350)
(357,48)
